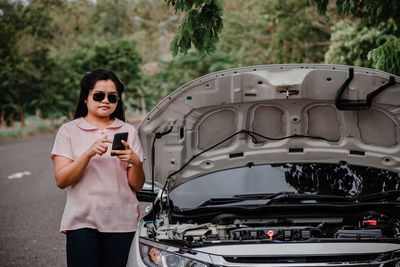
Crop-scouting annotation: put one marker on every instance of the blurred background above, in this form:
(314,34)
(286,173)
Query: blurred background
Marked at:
(155,46)
(48,45)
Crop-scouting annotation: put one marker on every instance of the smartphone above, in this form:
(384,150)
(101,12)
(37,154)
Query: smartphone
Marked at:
(117,145)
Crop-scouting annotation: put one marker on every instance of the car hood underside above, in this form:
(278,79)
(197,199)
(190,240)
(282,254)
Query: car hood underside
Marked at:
(274,114)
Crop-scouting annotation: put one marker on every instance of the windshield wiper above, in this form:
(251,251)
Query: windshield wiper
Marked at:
(275,197)
(220,201)
(281,197)
(263,195)
(239,198)
(382,196)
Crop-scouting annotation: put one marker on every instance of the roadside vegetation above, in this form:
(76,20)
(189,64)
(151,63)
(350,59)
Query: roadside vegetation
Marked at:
(46,46)
(31,128)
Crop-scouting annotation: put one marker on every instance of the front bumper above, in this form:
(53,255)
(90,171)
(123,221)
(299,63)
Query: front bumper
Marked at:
(277,254)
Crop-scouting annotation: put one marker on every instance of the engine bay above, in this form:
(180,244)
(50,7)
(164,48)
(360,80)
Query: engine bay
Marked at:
(371,225)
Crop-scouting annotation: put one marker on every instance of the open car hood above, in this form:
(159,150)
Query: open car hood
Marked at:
(308,112)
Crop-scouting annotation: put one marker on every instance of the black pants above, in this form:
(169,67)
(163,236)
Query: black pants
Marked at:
(90,248)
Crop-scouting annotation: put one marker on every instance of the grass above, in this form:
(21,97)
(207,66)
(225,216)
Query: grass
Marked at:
(31,128)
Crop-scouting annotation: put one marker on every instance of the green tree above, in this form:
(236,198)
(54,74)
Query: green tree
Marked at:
(71,69)
(297,34)
(194,64)
(279,32)
(369,11)
(109,18)
(27,31)
(271,36)
(373,34)
(119,55)
(289,29)
(352,41)
(72,24)
(201,25)
(386,57)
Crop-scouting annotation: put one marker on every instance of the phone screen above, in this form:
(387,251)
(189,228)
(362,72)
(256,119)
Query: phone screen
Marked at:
(117,145)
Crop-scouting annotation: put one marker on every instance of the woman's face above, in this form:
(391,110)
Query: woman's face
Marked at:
(103,108)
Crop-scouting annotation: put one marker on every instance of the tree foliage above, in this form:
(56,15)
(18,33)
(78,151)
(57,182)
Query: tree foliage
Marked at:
(370,11)
(194,64)
(285,40)
(386,57)
(296,34)
(351,42)
(200,27)
(26,31)
(47,45)
(119,56)
(371,39)
(44,53)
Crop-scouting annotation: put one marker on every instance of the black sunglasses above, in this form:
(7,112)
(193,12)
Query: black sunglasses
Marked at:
(99,96)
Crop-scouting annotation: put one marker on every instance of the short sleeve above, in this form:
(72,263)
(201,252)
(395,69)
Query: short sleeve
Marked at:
(136,145)
(62,145)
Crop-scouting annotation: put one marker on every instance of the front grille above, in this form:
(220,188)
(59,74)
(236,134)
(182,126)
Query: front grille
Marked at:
(307,259)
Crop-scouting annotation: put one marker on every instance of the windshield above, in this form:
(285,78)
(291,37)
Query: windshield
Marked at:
(323,179)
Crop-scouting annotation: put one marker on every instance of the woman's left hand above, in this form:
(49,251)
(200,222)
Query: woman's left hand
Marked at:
(127,155)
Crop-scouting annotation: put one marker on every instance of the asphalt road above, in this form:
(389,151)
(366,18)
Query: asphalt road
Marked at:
(31,204)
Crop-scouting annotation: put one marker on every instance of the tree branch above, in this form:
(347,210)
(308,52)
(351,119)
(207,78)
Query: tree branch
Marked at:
(307,45)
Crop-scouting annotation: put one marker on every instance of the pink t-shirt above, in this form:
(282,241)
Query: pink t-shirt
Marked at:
(102,199)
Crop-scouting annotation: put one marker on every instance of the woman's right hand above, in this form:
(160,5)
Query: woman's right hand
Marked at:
(99,147)
(68,171)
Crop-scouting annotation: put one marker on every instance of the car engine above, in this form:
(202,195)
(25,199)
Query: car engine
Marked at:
(372,225)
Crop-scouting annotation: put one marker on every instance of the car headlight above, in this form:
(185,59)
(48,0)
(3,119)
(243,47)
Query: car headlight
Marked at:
(157,255)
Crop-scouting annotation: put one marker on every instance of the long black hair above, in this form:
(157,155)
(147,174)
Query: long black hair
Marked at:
(87,83)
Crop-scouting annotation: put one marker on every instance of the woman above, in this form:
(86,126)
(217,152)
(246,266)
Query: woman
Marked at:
(102,212)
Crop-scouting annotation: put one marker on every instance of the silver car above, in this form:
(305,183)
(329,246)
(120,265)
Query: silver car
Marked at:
(275,165)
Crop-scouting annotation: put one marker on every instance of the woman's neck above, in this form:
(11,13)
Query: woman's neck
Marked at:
(99,122)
